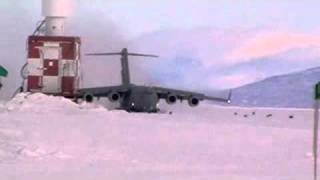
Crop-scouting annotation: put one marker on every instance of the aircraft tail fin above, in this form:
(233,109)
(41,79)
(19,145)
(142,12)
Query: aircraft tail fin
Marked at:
(124,61)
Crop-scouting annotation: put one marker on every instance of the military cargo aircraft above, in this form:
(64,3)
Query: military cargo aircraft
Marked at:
(135,98)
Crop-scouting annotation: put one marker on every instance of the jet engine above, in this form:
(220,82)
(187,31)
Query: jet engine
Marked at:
(171,99)
(193,101)
(114,97)
(88,97)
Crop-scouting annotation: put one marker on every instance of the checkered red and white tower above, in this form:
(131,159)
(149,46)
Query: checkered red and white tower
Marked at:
(53,62)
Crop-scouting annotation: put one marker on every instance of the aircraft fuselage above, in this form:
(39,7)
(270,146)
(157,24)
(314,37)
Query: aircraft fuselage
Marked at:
(140,99)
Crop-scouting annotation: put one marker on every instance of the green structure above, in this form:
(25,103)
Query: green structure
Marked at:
(3,72)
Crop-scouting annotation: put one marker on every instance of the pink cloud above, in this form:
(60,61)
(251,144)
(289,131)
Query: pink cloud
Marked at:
(235,80)
(222,48)
(269,44)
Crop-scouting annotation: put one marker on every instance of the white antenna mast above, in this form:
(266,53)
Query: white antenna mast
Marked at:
(55,13)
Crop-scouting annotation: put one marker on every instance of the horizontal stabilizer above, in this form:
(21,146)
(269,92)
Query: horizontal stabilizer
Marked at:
(103,54)
(123,53)
(143,55)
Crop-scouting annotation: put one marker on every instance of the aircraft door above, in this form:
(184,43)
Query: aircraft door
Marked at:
(51,79)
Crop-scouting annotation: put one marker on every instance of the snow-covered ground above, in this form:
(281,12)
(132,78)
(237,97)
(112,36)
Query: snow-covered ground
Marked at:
(51,138)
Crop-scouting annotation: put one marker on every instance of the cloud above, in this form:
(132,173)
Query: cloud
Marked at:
(218,58)
(235,79)
(272,43)
(208,45)
(220,48)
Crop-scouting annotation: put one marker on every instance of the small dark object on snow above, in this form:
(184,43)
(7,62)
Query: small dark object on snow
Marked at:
(291,117)
(236,114)
(253,113)
(269,115)
(246,115)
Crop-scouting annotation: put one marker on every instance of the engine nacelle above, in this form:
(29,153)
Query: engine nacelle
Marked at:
(114,97)
(171,99)
(193,101)
(88,97)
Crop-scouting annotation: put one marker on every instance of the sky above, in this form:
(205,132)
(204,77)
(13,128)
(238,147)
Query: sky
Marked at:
(225,14)
(202,44)
(145,16)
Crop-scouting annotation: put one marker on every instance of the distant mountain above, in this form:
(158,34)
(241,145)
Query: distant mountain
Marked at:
(293,90)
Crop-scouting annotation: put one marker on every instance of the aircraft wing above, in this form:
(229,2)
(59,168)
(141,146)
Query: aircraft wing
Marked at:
(102,91)
(185,95)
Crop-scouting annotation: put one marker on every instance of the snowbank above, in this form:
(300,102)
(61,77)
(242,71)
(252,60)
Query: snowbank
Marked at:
(40,103)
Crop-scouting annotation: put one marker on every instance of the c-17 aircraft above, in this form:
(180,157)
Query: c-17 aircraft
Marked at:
(135,98)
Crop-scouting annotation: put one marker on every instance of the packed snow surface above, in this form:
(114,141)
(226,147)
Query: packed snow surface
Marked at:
(51,138)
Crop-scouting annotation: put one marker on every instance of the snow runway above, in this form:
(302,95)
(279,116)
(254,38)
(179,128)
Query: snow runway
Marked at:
(45,137)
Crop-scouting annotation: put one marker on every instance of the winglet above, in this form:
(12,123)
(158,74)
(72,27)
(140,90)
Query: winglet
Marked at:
(229,97)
